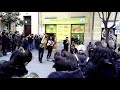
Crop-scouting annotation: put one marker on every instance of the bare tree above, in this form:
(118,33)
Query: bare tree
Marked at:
(105,18)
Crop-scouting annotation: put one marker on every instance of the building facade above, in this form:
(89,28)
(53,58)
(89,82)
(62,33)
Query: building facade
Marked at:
(77,25)
(30,23)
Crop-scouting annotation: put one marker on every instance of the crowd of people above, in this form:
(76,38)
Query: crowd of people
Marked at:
(9,42)
(101,62)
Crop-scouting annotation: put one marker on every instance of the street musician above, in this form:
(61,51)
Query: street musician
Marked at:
(42,44)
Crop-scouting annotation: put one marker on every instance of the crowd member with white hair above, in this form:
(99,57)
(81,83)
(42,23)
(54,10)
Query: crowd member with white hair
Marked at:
(81,57)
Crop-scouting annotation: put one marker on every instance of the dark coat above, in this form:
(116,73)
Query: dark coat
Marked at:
(4,40)
(30,40)
(26,43)
(82,61)
(73,50)
(99,71)
(65,45)
(100,65)
(64,65)
(0,40)
(8,70)
(66,74)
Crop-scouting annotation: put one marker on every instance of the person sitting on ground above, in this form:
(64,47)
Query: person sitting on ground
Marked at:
(16,66)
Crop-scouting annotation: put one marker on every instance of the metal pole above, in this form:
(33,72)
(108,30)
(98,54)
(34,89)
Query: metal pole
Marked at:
(92,34)
(38,23)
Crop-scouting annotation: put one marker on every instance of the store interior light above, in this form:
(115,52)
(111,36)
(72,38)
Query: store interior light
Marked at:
(26,21)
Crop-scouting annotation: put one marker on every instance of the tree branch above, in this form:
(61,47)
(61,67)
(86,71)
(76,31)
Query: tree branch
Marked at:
(103,15)
(106,14)
(100,16)
(114,20)
(109,13)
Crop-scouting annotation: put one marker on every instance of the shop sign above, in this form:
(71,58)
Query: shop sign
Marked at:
(65,21)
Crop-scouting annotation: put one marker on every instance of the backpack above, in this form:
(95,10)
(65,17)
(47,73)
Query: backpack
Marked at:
(82,65)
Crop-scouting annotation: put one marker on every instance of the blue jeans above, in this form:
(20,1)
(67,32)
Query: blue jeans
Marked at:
(30,47)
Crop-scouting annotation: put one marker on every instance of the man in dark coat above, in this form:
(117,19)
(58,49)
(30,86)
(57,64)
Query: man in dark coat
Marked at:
(66,44)
(4,43)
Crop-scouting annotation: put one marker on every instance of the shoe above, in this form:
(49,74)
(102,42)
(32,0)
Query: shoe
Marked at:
(40,61)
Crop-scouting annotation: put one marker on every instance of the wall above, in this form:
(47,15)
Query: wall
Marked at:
(34,22)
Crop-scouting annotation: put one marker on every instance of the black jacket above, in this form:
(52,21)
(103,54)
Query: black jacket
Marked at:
(4,40)
(8,69)
(99,71)
(30,40)
(64,65)
(0,40)
(66,74)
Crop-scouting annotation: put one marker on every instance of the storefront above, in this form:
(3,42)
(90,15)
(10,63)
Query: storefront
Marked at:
(60,28)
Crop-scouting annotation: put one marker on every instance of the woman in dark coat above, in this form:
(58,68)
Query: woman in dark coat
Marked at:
(100,66)
(17,64)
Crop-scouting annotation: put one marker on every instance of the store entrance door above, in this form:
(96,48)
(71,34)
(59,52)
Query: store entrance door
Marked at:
(77,35)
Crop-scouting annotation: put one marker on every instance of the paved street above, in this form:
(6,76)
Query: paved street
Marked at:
(42,69)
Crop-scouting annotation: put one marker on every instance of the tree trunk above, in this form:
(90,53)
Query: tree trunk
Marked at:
(107,32)
(9,26)
(107,35)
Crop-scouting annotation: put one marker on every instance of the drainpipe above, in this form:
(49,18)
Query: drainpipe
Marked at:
(92,34)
